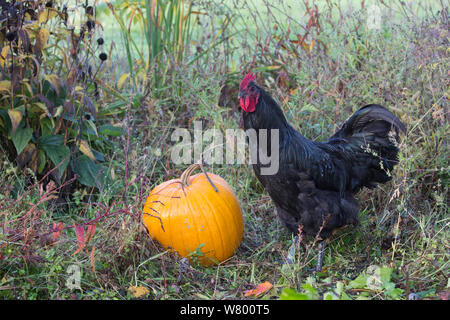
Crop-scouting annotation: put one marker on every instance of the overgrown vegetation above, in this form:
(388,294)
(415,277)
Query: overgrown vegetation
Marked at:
(52,116)
(84,139)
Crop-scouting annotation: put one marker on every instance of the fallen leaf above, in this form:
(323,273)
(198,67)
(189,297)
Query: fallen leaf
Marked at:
(139,291)
(259,290)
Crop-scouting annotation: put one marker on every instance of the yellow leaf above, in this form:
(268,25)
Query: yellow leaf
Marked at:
(311,45)
(4,54)
(85,149)
(28,87)
(5,51)
(46,15)
(58,112)
(44,34)
(41,106)
(259,290)
(5,85)
(139,291)
(122,79)
(54,80)
(233,66)
(273,67)
(305,45)
(16,117)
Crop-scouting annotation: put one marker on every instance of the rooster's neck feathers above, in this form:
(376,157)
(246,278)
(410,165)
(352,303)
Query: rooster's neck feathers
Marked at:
(268,114)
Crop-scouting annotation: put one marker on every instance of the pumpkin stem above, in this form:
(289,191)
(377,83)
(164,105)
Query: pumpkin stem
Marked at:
(187,173)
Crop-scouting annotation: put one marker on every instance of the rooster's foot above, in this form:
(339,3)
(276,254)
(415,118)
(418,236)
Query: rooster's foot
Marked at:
(290,259)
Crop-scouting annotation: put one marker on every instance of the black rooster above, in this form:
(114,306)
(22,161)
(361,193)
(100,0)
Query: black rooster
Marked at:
(316,181)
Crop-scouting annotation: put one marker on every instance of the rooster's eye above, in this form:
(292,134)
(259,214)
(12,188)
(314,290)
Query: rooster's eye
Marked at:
(252,89)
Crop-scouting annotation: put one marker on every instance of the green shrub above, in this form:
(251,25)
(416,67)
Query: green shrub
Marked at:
(51,64)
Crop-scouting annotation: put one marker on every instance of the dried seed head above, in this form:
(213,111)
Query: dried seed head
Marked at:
(90,10)
(90,25)
(10,36)
(103,56)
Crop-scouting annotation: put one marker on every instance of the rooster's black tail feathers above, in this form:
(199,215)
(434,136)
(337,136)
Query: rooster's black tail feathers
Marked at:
(372,132)
(373,119)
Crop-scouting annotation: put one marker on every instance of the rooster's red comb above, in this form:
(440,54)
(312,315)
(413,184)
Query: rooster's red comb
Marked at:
(247,79)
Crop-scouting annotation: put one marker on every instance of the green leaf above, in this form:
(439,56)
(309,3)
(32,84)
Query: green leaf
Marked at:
(110,130)
(360,282)
(309,108)
(47,126)
(6,121)
(98,156)
(91,174)
(291,294)
(310,289)
(52,141)
(21,138)
(56,151)
(91,125)
(385,274)
(42,161)
(396,293)
(340,291)
(330,296)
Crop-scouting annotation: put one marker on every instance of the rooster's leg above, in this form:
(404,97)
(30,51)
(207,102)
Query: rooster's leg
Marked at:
(318,267)
(291,253)
(320,257)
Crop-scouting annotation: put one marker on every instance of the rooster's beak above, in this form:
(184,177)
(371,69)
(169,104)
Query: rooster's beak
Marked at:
(241,94)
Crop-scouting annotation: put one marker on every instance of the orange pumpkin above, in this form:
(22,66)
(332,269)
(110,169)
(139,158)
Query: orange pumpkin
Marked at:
(196,216)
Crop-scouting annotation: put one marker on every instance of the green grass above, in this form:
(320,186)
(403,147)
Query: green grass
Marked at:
(401,245)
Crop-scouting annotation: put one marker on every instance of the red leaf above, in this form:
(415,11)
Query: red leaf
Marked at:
(79,230)
(93,259)
(444,295)
(57,227)
(259,290)
(90,232)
